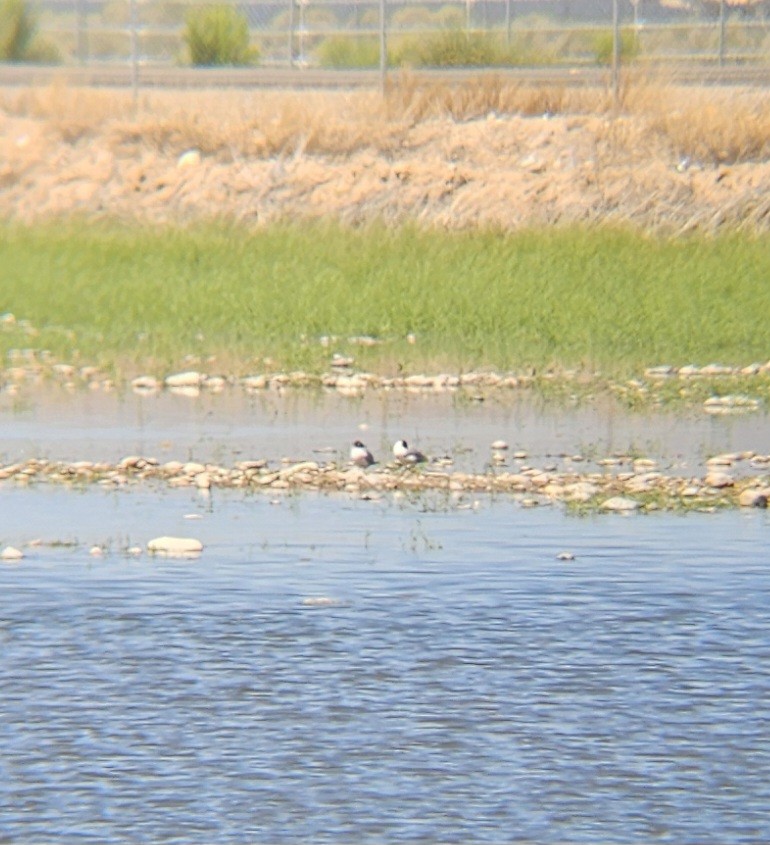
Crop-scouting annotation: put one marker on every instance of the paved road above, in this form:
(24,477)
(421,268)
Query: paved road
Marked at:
(148,76)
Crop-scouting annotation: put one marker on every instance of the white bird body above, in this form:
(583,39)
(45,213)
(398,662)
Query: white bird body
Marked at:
(360,455)
(404,455)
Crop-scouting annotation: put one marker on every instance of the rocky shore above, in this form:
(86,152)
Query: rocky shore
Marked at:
(617,484)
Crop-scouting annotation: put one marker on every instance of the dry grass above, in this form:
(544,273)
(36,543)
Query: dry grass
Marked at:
(712,125)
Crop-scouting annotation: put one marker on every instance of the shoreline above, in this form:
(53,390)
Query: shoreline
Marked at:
(716,388)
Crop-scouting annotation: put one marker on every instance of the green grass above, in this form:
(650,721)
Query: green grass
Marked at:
(134,299)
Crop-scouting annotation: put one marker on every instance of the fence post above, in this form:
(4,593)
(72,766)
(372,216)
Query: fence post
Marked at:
(291,33)
(615,53)
(508,22)
(134,52)
(721,32)
(383,46)
(82,32)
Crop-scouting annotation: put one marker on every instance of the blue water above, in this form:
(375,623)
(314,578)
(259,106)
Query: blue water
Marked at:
(459,684)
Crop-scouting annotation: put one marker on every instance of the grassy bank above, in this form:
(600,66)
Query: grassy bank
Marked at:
(238,301)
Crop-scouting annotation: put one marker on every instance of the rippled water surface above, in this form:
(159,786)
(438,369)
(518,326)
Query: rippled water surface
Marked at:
(341,670)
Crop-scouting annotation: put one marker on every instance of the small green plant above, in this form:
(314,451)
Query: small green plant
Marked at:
(19,41)
(604,45)
(217,36)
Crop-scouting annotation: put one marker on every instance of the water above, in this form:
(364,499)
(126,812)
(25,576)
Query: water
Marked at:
(54,423)
(335,670)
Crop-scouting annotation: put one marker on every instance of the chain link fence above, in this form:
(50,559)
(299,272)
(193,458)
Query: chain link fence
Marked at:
(369,33)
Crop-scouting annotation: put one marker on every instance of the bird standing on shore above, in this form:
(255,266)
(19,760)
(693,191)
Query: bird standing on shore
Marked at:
(360,455)
(404,455)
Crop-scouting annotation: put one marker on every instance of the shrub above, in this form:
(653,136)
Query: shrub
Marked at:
(18,29)
(219,35)
(603,46)
(341,51)
(452,48)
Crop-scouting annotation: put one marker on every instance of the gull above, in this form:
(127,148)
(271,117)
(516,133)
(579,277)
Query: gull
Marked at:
(404,455)
(360,455)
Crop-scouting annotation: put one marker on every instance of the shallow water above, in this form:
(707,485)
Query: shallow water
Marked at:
(59,424)
(332,669)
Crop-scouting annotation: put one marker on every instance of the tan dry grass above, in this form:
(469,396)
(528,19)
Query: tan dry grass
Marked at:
(711,125)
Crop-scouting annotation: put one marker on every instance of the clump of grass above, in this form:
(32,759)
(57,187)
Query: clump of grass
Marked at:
(714,127)
(219,35)
(611,301)
(409,97)
(267,125)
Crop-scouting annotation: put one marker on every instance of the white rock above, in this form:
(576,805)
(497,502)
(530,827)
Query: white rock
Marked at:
(689,370)
(580,491)
(190,378)
(11,553)
(215,383)
(499,445)
(719,479)
(254,382)
(342,361)
(620,504)
(753,498)
(661,371)
(641,464)
(189,158)
(730,404)
(188,390)
(716,370)
(725,460)
(175,546)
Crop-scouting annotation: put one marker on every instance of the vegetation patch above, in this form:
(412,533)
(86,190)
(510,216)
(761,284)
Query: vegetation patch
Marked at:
(392,301)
